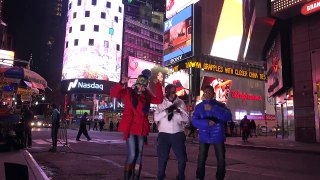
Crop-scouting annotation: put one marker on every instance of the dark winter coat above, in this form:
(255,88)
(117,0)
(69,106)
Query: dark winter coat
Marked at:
(200,119)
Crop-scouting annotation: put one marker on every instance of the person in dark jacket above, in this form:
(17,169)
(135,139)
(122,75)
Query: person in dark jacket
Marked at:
(209,117)
(253,128)
(134,123)
(55,121)
(83,127)
(27,116)
(245,128)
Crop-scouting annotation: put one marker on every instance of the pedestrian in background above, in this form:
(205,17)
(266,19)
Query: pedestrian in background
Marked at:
(83,127)
(111,126)
(253,128)
(95,125)
(231,126)
(208,117)
(245,128)
(134,123)
(55,125)
(27,117)
(172,117)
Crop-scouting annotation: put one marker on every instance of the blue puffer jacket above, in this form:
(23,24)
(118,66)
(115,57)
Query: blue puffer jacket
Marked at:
(211,134)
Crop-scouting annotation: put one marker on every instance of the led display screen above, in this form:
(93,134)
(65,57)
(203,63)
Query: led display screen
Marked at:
(178,37)
(221,88)
(6,58)
(227,40)
(136,66)
(174,6)
(181,80)
(93,42)
(274,67)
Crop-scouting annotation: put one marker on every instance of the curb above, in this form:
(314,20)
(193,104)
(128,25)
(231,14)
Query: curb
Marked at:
(274,149)
(36,170)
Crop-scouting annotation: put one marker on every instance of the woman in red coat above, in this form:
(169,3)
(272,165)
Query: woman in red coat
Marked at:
(134,123)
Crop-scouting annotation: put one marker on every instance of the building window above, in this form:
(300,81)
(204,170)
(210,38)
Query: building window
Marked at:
(82,27)
(106,44)
(103,15)
(74,15)
(94,2)
(70,29)
(70,5)
(116,19)
(91,42)
(108,4)
(87,14)
(96,28)
(118,47)
(120,9)
(76,41)
(79,2)
(67,44)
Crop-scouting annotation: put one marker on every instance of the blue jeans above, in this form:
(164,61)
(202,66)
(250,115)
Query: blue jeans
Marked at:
(177,143)
(220,152)
(135,147)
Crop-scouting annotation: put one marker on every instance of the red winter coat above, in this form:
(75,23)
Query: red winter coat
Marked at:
(134,120)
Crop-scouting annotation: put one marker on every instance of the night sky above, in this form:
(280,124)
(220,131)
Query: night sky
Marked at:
(30,26)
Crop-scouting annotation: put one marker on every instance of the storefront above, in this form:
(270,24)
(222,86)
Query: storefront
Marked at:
(302,20)
(239,85)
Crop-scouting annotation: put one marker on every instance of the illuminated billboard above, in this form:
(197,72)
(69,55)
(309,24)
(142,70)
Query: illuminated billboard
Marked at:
(136,66)
(174,6)
(274,67)
(228,37)
(93,42)
(6,58)
(178,37)
(221,88)
(181,80)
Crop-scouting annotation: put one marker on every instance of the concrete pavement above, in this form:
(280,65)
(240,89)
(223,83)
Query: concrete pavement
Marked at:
(260,142)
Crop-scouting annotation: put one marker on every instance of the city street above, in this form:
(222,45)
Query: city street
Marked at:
(103,158)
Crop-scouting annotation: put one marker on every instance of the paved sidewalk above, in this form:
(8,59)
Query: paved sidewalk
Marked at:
(260,142)
(22,157)
(272,143)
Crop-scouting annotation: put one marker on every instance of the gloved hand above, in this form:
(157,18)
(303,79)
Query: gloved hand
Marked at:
(172,108)
(214,119)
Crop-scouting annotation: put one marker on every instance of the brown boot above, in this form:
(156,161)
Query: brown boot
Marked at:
(127,171)
(137,172)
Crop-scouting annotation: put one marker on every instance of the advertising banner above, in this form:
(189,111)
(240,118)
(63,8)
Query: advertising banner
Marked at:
(93,41)
(221,88)
(136,66)
(175,6)
(6,58)
(181,80)
(178,37)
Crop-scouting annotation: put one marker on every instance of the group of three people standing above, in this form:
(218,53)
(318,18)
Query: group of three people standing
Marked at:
(171,117)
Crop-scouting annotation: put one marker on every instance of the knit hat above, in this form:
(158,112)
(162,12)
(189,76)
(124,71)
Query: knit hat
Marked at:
(143,78)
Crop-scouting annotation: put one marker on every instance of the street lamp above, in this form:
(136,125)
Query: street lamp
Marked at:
(43,98)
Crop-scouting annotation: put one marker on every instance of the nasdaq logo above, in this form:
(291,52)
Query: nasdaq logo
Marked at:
(81,85)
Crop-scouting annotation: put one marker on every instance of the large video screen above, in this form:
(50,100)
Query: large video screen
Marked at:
(136,66)
(178,37)
(93,42)
(228,37)
(174,6)
(181,80)
(274,67)
(6,57)
(221,88)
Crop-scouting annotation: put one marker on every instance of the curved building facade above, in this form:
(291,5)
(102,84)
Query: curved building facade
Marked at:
(93,42)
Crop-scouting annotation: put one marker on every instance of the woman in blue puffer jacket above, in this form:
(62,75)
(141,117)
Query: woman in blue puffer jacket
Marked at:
(209,117)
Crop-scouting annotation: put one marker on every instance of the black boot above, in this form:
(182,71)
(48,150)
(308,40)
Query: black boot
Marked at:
(127,171)
(137,172)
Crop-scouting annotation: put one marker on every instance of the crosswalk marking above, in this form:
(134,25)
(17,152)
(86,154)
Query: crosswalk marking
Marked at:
(73,141)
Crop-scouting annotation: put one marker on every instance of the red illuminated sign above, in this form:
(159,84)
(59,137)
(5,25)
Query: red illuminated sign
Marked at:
(245,96)
(310,7)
